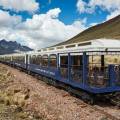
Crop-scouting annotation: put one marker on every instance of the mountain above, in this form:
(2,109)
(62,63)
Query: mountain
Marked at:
(8,47)
(109,29)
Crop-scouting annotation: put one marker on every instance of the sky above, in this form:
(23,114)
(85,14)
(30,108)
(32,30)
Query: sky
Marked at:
(41,23)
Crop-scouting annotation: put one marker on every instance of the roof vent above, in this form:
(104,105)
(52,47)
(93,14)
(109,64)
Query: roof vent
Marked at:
(84,44)
(70,46)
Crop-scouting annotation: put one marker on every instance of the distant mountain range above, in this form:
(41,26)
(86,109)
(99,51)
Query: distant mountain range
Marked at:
(8,47)
(109,29)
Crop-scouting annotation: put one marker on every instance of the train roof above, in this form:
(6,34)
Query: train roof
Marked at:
(98,45)
(92,45)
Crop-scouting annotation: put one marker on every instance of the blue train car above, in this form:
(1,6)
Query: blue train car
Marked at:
(19,60)
(93,66)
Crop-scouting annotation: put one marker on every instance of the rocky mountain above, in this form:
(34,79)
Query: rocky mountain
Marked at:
(109,29)
(8,47)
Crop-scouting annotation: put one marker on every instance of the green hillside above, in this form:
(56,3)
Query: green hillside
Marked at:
(109,29)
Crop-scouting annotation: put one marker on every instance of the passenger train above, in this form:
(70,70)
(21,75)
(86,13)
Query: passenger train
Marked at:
(92,66)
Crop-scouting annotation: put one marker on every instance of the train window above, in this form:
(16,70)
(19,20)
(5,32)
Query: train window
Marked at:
(64,61)
(84,44)
(112,59)
(38,59)
(30,59)
(7,59)
(61,47)
(76,68)
(51,48)
(70,46)
(97,71)
(76,60)
(45,60)
(53,61)
(64,66)
(21,59)
(95,60)
(33,59)
(15,58)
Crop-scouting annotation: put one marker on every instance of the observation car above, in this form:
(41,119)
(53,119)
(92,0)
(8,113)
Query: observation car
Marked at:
(92,66)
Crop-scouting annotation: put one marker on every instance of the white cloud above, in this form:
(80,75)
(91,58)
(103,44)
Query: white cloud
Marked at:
(47,29)
(20,5)
(112,6)
(43,30)
(108,5)
(83,7)
(7,20)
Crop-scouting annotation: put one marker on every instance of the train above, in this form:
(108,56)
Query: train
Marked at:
(91,66)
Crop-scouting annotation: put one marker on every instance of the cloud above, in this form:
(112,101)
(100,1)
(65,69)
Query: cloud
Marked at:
(42,30)
(84,7)
(6,20)
(112,6)
(47,29)
(20,5)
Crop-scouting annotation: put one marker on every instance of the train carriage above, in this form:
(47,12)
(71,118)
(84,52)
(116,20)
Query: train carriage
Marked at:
(16,60)
(93,66)
(19,60)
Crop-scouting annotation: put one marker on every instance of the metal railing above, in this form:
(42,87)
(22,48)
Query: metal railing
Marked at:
(64,71)
(76,73)
(98,76)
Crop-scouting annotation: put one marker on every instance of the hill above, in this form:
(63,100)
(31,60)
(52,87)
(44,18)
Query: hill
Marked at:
(8,47)
(109,29)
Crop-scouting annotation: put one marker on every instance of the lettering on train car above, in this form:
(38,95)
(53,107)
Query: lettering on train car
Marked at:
(46,72)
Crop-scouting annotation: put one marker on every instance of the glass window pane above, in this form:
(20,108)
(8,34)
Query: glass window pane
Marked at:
(45,60)
(53,61)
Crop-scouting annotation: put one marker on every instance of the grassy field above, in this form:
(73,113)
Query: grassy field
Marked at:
(13,98)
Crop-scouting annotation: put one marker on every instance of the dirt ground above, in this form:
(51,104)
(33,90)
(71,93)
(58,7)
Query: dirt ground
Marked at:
(39,101)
